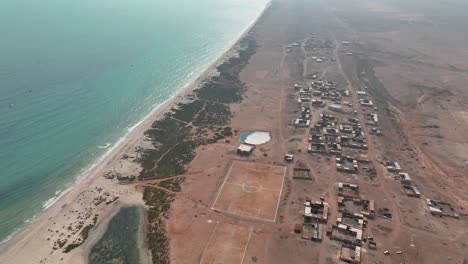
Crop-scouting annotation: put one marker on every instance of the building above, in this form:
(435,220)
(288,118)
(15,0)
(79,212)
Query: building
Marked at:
(355,220)
(346,129)
(361,93)
(305,110)
(441,208)
(350,254)
(302,174)
(356,205)
(245,149)
(344,168)
(303,99)
(366,102)
(375,131)
(335,149)
(348,190)
(315,211)
(335,107)
(318,103)
(301,122)
(346,234)
(330,131)
(435,211)
(312,232)
(316,147)
(373,117)
(405,178)
(411,191)
(316,93)
(392,166)
(318,138)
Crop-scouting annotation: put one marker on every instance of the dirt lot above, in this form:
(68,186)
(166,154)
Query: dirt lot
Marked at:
(227,244)
(251,190)
(420,70)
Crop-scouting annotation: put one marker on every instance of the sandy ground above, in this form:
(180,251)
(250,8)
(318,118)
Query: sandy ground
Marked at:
(403,57)
(271,105)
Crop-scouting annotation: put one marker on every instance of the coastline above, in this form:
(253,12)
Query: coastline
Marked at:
(203,202)
(19,240)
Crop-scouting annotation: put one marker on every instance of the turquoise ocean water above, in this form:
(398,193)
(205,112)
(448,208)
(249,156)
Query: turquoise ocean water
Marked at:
(76,75)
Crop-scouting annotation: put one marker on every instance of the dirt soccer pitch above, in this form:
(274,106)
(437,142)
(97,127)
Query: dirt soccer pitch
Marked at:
(251,190)
(228,244)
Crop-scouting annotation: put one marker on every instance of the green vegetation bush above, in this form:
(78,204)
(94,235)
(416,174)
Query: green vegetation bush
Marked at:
(119,242)
(159,203)
(176,136)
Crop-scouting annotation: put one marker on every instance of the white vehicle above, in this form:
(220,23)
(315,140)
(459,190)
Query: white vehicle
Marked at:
(289,157)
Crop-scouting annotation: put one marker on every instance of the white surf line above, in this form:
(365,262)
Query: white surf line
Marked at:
(209,240)
(281,193)
(246,245)
(222,186)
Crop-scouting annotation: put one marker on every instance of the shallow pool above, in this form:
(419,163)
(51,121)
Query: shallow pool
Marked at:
(120,243)
(254,137)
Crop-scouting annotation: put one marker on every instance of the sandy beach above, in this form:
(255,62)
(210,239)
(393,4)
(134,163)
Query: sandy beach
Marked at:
(95,195)
(81,200)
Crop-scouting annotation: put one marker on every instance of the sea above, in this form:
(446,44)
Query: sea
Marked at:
(76,76)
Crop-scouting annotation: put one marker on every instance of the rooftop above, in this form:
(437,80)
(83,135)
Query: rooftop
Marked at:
(245,147)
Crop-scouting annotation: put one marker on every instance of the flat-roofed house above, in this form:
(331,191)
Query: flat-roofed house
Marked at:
(245,149)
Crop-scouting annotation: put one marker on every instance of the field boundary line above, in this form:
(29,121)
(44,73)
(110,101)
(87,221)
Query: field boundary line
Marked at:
(208,243)
(244,216)
(261,188)
(246,245)
(222,185)
(281,193)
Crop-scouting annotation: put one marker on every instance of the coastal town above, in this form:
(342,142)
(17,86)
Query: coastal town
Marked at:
(288,151)
(333,191)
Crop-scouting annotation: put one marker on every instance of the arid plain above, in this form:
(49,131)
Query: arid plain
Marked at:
(370,99)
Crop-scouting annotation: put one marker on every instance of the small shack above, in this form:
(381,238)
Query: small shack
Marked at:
(245,149)
(335,107)
(405,178)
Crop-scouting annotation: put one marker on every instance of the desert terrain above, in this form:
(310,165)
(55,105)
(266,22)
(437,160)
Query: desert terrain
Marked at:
(411,68)
(365,103)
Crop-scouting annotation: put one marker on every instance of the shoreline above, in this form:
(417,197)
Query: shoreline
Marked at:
(135,133)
